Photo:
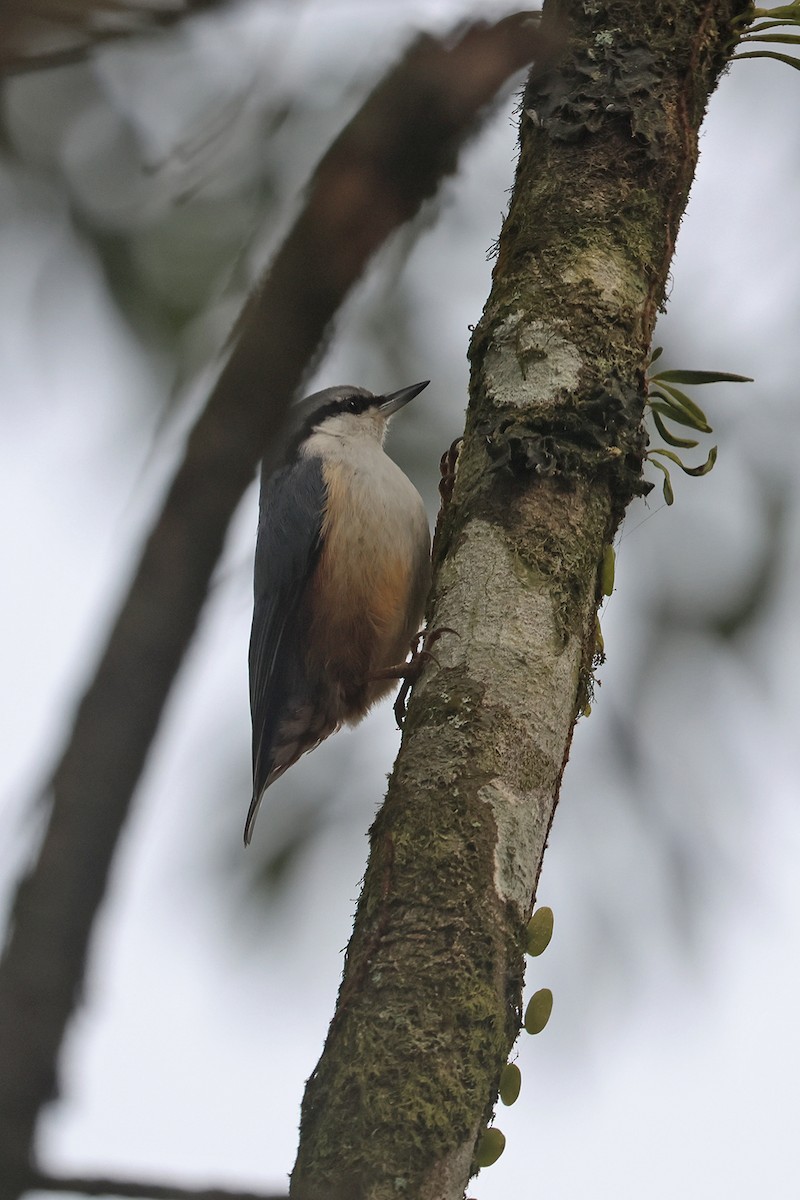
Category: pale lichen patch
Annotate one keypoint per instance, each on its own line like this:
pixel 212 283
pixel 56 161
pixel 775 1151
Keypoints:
pixel 605 275
pixel 447 1173
pixel 521 823
pixel 512 620
pixel 528 363
pixel 512 646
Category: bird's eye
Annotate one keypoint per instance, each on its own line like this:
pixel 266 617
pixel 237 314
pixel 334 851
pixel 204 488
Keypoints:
pixel 353 405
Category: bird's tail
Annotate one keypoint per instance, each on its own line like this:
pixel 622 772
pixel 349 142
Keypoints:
pixel 258 795
pixel 252 813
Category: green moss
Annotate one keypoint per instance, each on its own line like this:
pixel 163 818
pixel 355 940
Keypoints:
pixel 433 1057
pixel 607 153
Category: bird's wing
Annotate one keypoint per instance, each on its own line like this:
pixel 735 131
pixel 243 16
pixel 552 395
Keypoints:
pixel 287 550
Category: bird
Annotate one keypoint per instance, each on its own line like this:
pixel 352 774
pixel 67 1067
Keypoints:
pixel 342 571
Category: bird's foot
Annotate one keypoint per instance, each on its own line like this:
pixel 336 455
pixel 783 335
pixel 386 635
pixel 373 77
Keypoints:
pixel 411 670
pixel 448 465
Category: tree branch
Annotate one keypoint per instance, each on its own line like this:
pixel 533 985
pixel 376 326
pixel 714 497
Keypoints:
pixel 52 33
pixel 390 158
pixel 430 1001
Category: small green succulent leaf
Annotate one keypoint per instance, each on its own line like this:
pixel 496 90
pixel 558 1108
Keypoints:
pixel 701 470
pixel 788 12
pixel 607 567
pixel 706 466
pixel 699 377
pixel 490 1147
pixel 537 1014
pixel 510 1083
pixel 669 495
pixel 683 401
pixel 540 929
pixel 784 58
pixel 786 39
pixel 767 25
pixel 670 454
pixel 664 404
pixel 671 438
pixel 668 403
pixel 659 350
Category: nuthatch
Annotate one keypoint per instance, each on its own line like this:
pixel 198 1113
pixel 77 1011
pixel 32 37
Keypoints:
pixel 341 574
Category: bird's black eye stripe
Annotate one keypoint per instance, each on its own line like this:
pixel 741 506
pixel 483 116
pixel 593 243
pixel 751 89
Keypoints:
pixel 358 404
pixel 351 404
pixel 344 404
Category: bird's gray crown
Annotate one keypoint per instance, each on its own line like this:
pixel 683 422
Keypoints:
pixel 307 414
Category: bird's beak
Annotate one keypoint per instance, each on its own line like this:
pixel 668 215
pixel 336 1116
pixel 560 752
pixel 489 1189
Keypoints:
pixel 390 404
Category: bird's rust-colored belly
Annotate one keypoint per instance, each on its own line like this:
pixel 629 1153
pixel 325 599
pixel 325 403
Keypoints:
pixel 368 589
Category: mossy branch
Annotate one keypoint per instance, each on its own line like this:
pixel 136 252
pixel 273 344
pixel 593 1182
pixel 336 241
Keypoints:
pixel 431 1000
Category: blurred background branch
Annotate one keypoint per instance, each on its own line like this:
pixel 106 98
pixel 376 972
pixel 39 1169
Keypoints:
pixel 45 33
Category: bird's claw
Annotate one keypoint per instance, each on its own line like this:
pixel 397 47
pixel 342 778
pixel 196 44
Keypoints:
pixel 448 465
pixel 420 654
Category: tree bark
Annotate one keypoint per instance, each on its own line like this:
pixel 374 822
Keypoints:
pixel 391 157
pixel 430 1002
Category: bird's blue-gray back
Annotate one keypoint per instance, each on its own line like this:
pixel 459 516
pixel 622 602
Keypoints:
pixel 287 550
